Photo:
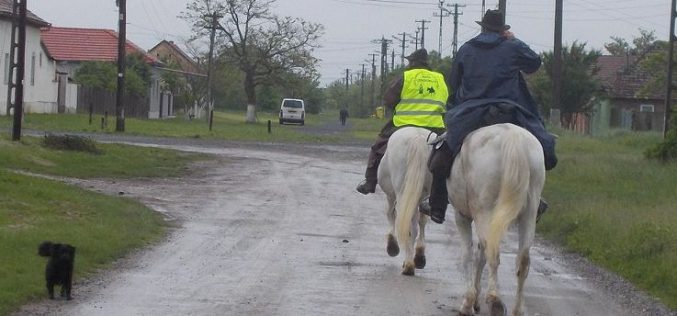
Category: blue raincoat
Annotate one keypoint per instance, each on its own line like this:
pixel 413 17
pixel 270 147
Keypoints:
pixel 486 78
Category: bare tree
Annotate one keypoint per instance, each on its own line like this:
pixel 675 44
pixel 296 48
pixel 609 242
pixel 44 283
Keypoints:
pixel 261 44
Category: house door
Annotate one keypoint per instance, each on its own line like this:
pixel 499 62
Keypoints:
pixel 61 97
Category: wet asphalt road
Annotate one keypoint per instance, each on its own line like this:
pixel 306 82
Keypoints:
pixel 279 230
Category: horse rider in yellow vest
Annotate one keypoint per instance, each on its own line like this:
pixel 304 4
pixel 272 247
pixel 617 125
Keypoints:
pixel 418 98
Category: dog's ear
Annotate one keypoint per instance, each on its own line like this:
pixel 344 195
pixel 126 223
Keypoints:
pixel 45 248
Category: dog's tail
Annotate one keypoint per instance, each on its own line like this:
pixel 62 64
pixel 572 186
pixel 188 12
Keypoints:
pixel 45 249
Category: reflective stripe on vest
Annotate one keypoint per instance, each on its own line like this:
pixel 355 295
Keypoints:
pixel 422 100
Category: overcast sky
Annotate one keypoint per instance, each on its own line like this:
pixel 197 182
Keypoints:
pixel 351 26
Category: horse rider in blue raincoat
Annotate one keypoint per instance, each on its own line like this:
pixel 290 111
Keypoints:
pixel 488 88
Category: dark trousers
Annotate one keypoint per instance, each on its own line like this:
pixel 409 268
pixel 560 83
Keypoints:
pixel 378 149
pixel 440 166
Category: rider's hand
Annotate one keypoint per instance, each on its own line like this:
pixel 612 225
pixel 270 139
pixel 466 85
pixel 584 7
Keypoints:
pixel 508 35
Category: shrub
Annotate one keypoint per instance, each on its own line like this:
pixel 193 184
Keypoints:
pixel 71 142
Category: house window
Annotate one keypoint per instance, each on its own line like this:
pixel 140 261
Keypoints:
pixel 646 108
pixel 33 69
pixel 6 68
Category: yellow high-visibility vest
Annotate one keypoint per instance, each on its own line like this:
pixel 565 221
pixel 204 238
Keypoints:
pixel 423 99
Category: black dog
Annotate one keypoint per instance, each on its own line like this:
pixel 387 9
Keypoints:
pixel 59 270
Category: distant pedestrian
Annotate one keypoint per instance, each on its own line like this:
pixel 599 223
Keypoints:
pixel 343 116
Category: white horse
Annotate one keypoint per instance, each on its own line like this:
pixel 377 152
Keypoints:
pixel 496 180
pixel 404 177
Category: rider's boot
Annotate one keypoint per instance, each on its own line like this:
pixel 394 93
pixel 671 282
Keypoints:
pixel 368 185
pixel 436 204
pixel 440 165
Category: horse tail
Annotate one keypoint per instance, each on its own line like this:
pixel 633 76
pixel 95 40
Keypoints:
pixel 412 190
pixel 514 187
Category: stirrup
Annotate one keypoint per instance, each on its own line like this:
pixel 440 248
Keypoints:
pixel 437 140
pixel 425 208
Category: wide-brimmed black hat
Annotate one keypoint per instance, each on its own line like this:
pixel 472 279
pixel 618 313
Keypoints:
pixel 494 20
pixel 419 55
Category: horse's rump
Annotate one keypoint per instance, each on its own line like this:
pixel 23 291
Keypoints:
pixel 479 167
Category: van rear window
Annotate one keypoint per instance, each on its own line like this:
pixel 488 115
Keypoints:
pixel 293 104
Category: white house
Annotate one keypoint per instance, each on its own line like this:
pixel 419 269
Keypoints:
pixel 40 81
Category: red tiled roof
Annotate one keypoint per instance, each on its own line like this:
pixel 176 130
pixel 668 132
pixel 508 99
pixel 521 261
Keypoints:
pixel 81 44
pixel 6 12
pixel 621 76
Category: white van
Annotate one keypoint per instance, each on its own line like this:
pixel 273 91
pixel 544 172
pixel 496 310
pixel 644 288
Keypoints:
pixel 292 111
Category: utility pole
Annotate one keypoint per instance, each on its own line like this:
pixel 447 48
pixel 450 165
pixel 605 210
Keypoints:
pixel 18 24
pixel 423 28
pixel 392 60
pixel 373 77
pixel 454 42
pixel 501 6
pixel 214 25
pixel 670 84
pixel 362 90
pixel 403 43
pixel 347 74
pixel 13 45
pixel 483 9
pixel 384 66
pixel 557 59
pixel 416 39
pixel 122 41
pixel 443 14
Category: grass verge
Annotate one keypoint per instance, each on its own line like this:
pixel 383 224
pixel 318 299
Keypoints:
pixel 618 209
pixel 226 125
pixel 118 161
pixel 102 228
pixel 32 210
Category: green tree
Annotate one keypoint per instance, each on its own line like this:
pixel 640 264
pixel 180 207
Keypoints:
pixel 103 75
pixel 579 86
pixel 261 44
pixel 641 45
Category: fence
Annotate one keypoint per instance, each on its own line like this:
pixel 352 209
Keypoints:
pixel 100 101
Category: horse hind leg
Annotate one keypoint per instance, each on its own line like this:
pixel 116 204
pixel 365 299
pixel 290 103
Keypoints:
pixel 392 248
pixel 470 305
pixel 526 228
pixel 523 263
pixel 419 258
pixel 408 267
pixel 496 306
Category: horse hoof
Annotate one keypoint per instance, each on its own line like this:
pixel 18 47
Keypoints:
pixel 419 262
pixel 497 308
pixel 408 269
pixel 393 249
